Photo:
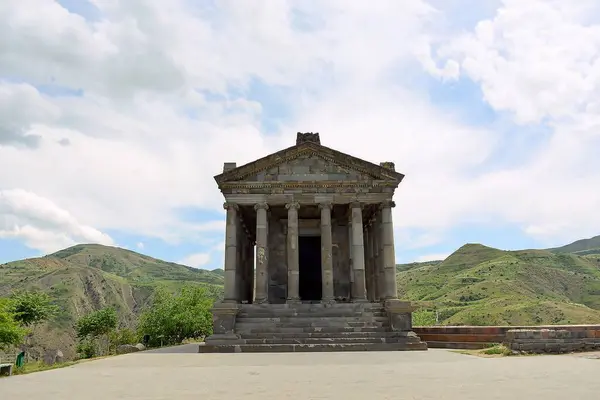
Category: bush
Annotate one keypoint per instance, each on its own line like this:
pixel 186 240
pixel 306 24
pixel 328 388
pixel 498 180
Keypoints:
pixel 173 318
pixel 87 348
pixel 497 349
pixel 122 336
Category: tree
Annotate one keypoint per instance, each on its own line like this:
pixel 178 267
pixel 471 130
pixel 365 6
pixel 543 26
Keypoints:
pixel 97 323
pixel 175 317
pixel 11 333
pixel 31 308
pixel 91 327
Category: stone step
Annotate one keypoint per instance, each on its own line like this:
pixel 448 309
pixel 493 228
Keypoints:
pixel 329 339
pixel 318 347
pixel 315 313
pixel 304 324
pixel 259 328
pixel 301 335
pixel 310 320
pixel 312 307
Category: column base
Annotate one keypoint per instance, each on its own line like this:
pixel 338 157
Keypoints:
pixel 360 300
pixel 293 300
pixel 400 314
pixel 224 315
pixel 328 301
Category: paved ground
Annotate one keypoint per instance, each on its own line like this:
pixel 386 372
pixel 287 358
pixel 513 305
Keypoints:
pixel 436 374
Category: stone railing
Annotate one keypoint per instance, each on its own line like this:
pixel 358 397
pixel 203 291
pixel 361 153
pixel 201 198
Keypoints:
pixel 478 337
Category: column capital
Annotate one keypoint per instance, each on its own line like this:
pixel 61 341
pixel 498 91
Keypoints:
pixel 325 206
pixel 229 205
pixel 261 206
pixel 387 204
pixel 356 204
pixel 293 205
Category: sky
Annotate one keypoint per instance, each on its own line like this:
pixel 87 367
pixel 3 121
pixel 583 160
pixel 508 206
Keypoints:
pixel 116 114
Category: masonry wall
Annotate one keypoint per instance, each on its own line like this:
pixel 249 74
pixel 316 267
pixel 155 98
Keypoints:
pixel 477 337
pixel 277 264
pixel 341 260
pixel 277 256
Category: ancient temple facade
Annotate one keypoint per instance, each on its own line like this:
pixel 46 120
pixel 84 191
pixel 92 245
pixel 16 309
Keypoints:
pixel 309 232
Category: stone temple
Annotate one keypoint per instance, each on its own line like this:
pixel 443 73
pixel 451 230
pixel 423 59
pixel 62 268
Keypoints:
pixel 309 255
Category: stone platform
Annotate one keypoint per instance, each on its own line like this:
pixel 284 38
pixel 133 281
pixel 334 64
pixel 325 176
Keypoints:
pixel 311 328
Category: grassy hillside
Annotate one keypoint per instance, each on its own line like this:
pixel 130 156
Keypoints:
pixel 84 278
pixel 581 247
pixel 479 285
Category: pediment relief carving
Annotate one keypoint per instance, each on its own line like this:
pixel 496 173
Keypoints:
pixel 309 162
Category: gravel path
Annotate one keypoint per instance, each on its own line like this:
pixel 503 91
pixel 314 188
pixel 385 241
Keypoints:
pixel 177 373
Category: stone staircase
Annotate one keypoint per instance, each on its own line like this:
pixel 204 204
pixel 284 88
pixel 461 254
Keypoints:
pixel 313 327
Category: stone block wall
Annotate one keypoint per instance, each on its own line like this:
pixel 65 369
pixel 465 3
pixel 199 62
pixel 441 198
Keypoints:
pixel 552 340
pixel 478 337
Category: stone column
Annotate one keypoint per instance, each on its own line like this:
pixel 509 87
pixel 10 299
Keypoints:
pixel 293 253
pixel 250 271
pixel 231 238
pixel 376 257
pixel 389 255
pixel 380 267
pixel 367 269
pixel 350 263
pixel 262 253
pixel 358 254
pixel 326 254
pixel 371 261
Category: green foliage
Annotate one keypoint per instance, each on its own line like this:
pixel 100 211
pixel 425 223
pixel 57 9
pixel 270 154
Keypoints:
pixel 87 348
pixel 31 308
pixel 497 349
pixel 97 323
pixel 123 336
pixel 175 317
pixel 11 333
pixel 423 318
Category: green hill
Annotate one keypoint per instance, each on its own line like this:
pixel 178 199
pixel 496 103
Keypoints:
pixel 476 285
pixel 581 247
pixel 88 277
pixel 479 285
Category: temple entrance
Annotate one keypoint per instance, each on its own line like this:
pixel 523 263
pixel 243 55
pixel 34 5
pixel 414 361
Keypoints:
pixel 310 268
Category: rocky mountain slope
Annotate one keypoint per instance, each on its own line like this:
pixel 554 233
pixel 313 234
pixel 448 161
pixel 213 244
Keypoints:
pixel 84 278
pixel 479 285
pixel 581 247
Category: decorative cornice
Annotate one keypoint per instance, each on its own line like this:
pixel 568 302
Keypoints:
pixel 311 184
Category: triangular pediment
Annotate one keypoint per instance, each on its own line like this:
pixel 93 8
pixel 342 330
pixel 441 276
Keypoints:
pixel 309 162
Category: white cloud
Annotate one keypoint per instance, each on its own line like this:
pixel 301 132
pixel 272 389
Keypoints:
pixel 41 224
pixel 540 61
pixel 140 245
pixel 166 101
pixel 196 260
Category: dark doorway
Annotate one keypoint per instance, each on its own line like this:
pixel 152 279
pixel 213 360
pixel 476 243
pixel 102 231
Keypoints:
pixel 310 268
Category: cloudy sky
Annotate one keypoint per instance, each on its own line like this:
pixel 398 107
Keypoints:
pixel 116 114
